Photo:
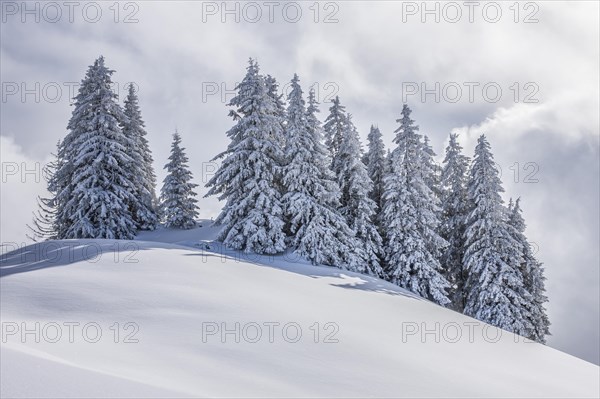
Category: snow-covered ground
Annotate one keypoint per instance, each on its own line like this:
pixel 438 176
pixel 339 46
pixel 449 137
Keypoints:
pixel 180 320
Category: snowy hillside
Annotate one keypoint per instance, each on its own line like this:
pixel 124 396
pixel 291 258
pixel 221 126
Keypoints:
pixel 178 298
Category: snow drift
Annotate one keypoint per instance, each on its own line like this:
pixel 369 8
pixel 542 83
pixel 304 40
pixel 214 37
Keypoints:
pixel 174 315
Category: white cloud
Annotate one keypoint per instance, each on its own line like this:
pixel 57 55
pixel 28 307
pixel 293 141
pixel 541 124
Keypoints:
pixel 22 180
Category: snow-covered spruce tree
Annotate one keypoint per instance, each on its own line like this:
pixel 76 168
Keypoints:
pixel 454 213
pixel 387 171
pixel 495 291
pixel 177 197
pixel 376 165
pixel 533 277
pixel 279 108
pixel 318 232
pixel 334 127
pixel 248 178
pixel 355 204
pixel 60 187
pixel 143 208
pixel 410 220
pixel 431 174
pixel 94 183
pixel 60 179
pixel 432 171
pixel 44 224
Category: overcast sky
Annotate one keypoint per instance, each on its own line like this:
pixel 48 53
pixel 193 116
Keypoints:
pixel 525 76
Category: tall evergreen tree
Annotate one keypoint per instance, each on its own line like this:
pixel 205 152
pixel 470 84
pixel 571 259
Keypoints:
pixel 335 126
pixel 533 277
pixel 495 289
pixel 432 171
pixel 248 178
pixel 279 104
pixel 143 208
pixel 44 225
pixel 318 232
pixel 410 218
pixel 376 165
pixel 94 183
pixel 177 197
pixel 273 92
pixel 388 170
pixel 380 219
pixel 356 205
pixel 454 213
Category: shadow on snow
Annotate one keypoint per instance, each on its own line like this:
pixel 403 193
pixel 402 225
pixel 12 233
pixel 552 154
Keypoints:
pixel 21 259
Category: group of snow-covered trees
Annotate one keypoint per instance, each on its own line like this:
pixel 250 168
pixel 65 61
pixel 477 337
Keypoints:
pixel 291 182
pixel 443 232
pixel 102 182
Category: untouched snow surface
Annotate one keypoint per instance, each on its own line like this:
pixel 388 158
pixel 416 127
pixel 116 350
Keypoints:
pixel 184 302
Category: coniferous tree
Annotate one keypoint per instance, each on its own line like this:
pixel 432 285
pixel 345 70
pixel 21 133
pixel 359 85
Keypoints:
pixel 177 197
pixel 143 208
pixel 318 232
pixel 533 277
pixel 59 185
pixel 93 183
pixel 376 165
pixel 410 218
pixel 273 92
pixel 454 213
pixel 279 105
pixel 355 204
pixel 248 178
pixel 495 291
pixel 388 170
pixel 431 174
pixel 335 126
pixel 432 171
pixel 380 219
pixel 44 223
